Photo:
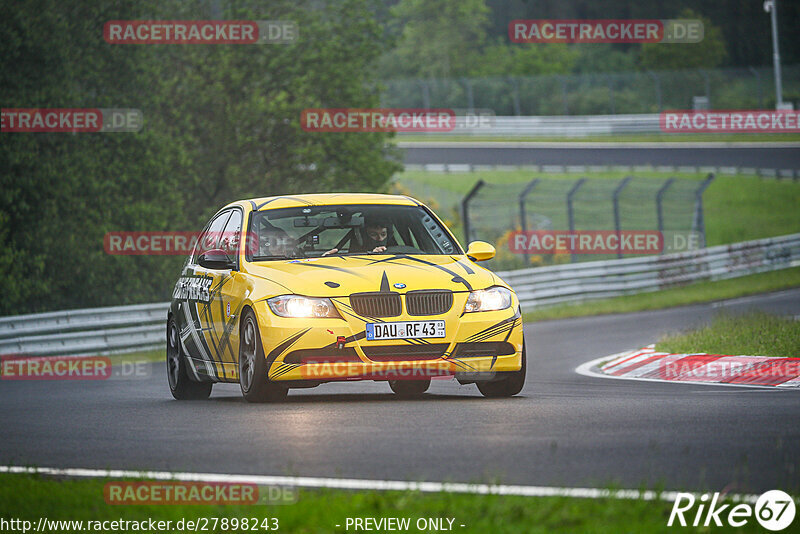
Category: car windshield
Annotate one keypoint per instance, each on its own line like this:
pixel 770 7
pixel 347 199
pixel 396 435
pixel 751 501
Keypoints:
pixel 316 231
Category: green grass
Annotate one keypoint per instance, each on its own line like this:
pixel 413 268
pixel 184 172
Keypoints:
pixel 753 334
pixel 740 209
pixel 692 294
pixel 620 138
pixel 31 497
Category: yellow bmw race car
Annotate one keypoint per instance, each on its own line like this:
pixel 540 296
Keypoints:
pixel 295 291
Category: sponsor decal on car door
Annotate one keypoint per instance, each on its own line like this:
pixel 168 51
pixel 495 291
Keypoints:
pixel 196 290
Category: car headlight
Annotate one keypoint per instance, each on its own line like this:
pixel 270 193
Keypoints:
pixel 299 306
pixel 492 299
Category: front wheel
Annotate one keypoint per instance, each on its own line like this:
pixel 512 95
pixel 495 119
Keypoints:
pixel 180 385
pixel 510 383
pixel 255 385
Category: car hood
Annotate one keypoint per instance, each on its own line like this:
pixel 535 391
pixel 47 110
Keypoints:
pixel 338 276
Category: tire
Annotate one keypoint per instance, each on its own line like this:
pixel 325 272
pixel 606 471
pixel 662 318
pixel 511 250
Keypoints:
pixel 255 385
pixel 509 384
pixel 409 389
pixel 180 385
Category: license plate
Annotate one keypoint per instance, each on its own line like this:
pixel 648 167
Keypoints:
pixel 404 330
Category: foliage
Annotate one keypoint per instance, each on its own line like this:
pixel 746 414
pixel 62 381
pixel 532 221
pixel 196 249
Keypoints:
pixel 708 53
pixel 221 123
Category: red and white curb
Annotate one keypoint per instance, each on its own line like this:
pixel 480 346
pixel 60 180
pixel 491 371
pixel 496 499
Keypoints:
pixel 701 368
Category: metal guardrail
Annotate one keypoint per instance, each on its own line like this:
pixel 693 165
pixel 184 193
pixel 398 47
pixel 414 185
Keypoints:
pixel 560 126
pixel 578 282
pixel 89 331
pixel 142 327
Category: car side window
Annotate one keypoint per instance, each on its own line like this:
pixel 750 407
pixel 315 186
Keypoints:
pixel 229 240
pixel 210 238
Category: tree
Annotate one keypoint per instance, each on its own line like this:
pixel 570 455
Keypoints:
pixel 221 123
pixel 439 39
pixel 524 59
pixel 708 53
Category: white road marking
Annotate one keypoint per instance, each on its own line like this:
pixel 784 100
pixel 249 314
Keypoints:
pixel 367 484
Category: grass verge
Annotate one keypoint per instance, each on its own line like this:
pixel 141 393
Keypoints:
pixel 667 298
pixel 31 497
pixel 753 334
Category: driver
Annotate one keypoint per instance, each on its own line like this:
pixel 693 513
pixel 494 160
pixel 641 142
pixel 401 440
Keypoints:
pixel 376 239
pixel 279 244
pixel 274 241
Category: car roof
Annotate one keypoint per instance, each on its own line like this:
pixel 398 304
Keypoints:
pixel 325 199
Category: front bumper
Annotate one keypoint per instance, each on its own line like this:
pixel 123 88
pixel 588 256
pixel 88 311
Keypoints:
pixel 312 349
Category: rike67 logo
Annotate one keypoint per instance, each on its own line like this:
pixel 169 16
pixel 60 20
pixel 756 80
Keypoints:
pixel 774 510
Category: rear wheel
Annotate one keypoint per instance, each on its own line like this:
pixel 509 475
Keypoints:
pixel 180 385
pixel 508 384
pixel 410 388
pixel 255 385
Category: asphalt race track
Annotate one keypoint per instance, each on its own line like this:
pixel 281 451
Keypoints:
pixel 778 156
pixel 564 429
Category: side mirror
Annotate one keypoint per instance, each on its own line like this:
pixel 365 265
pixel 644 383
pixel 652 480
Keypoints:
pixel 216 259
pixel 480 251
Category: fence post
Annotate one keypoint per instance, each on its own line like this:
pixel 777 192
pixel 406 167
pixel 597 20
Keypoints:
pixel 515 96
pixel 617 224
pixel 523 217
pixel 707 79
pixel 570 214
pixel 426 94
pixel 564 94
pixel 659 204
pixel 611 94
pixel 658 88
pixel 699 224
pixel 470 97
pixel 758 86
pixel 465 208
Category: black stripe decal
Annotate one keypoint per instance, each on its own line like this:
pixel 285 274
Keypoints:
pixel 464 266
pixel 385 284
pixel 332 268
pixel 277 351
